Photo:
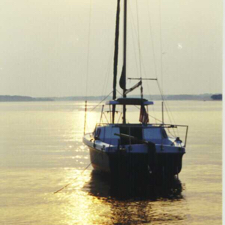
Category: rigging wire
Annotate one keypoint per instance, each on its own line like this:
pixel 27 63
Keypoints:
pixel 166 106
pixel 139 44
pixel 105 117
pixel 88 58
pixel 161 64
pixel 101 101
pixel 151 34
pixel 120 116
pixel 140 57
pixel 152 46
pixel 106 78
pixel 107 74
pixel 119 93
pixel 161 58
pixel 88 46
pixel 87 72
pixel 161 45
pixel 150 115
pixel 134 33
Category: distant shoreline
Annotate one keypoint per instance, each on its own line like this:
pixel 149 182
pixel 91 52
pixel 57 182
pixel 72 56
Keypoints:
pixel 18 98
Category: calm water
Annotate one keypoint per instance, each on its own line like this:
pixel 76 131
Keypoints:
pixel 41 151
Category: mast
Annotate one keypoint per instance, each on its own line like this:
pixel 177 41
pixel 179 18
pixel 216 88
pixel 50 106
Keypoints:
pixel 116 58
pixel 124 57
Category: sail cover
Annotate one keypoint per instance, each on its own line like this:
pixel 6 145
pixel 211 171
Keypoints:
pixel 116 51
pixel 134 87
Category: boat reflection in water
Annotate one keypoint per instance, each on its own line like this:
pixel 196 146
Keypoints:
pixel 103 185
pixel 130 202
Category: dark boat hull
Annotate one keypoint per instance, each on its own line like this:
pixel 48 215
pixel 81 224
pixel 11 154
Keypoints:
pixel 123 163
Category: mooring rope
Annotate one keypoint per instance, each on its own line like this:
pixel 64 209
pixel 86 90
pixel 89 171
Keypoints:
pixel 71 182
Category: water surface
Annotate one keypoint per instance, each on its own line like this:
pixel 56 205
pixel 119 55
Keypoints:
pixel 41 151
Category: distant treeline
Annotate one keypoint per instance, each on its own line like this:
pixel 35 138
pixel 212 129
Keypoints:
pixel 202 97
pixel 16 98
pixel 217 97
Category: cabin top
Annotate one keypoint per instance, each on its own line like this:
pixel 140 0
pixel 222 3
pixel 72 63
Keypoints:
pixel 130 101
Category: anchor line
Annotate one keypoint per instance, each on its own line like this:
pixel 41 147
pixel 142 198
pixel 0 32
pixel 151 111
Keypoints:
pixel 71 182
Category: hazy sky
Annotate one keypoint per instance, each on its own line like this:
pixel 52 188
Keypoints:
pixel 44 46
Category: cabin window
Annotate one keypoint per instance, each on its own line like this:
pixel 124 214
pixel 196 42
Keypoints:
pixel 107 134
pixel 164 134
pixel 153 133
pixel 132 131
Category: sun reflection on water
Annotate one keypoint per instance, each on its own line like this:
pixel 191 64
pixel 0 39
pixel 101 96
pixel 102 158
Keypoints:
pixel 80 207
pixel 89 199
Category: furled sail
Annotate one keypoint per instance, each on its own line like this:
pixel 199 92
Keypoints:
pixel 122 80
pixel 116 51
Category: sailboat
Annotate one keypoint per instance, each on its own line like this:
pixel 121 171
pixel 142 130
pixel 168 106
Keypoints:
pixel 128 148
